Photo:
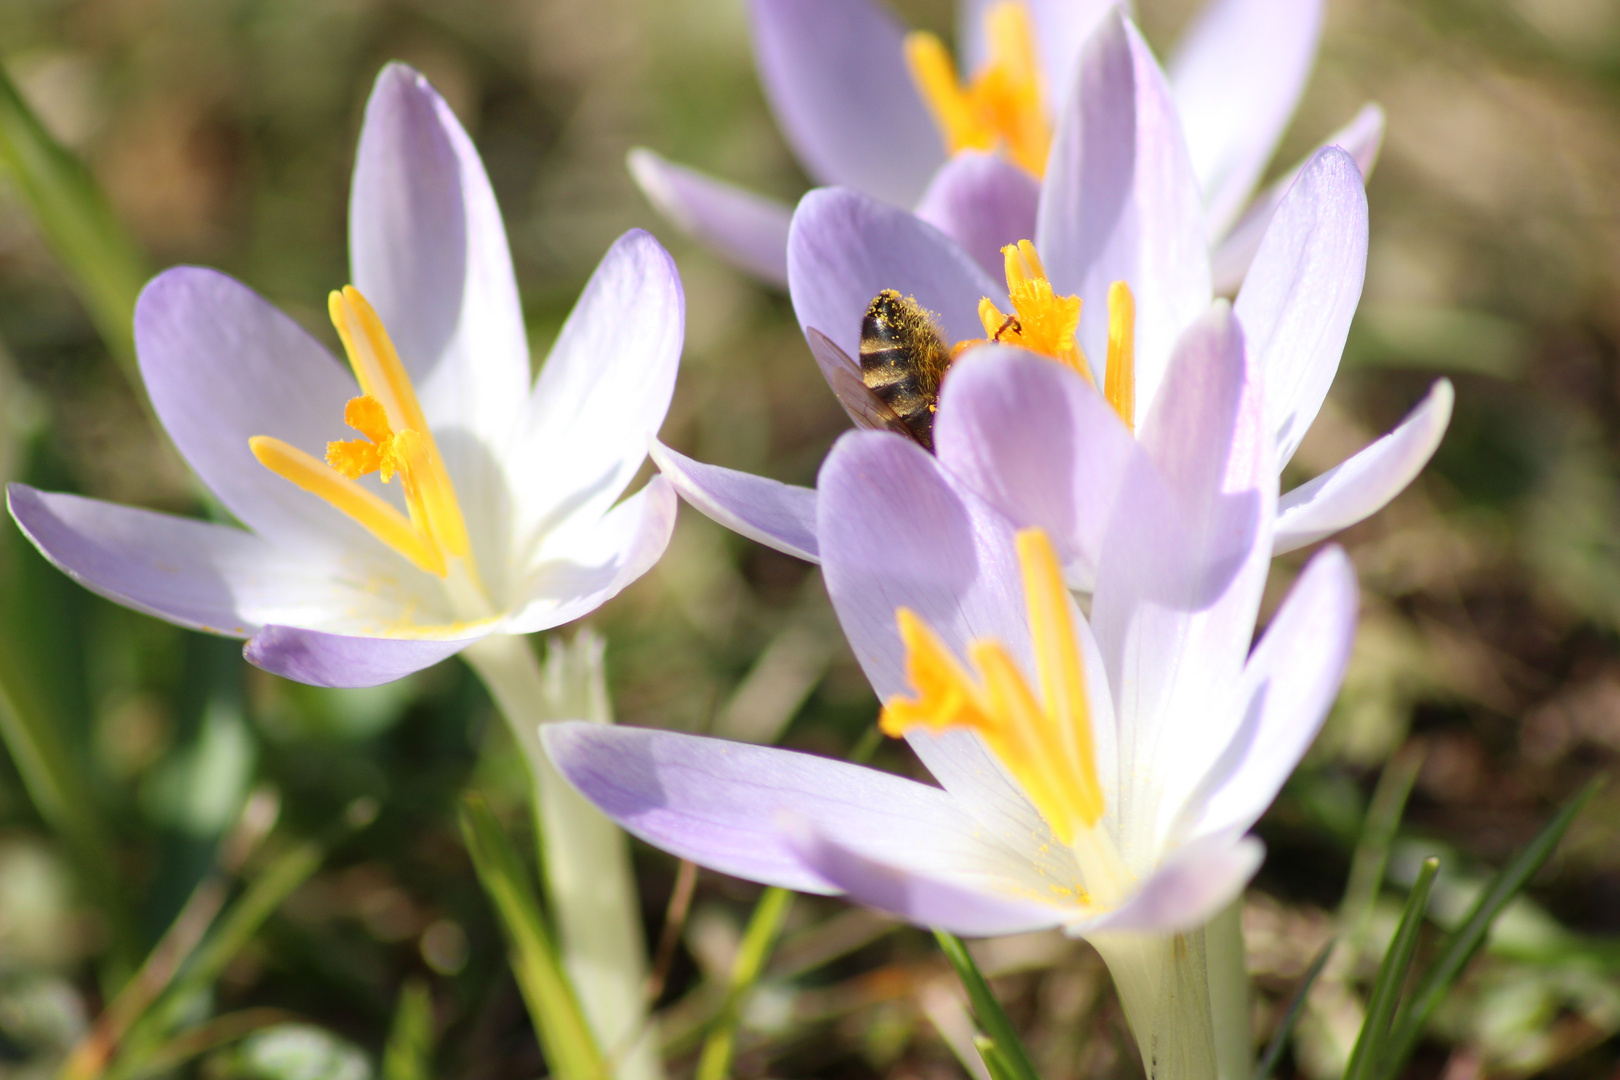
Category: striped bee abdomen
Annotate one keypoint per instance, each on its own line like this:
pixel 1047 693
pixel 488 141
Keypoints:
pixel 903 359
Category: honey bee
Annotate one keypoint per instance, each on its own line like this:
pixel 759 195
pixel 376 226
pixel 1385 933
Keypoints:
pixel 895 387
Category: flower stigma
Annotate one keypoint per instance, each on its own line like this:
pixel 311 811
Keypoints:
pixel 1043 735
pixel 1044 322
pixel 1004 104
pixel 397 442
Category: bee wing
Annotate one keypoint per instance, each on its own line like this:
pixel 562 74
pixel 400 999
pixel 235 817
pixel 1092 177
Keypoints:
pixel 844 376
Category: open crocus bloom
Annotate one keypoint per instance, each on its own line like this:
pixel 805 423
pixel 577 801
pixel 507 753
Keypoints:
pixel 867 106
pixel 1097 775
pixel 500 515
pixel 1119 220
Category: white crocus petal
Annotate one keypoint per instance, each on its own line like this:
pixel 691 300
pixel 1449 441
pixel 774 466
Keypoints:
pixel 1302 292
pixel 427 248
pixel 602 394
pixel 1186 890
pixel 1229 262
pixel 1120 203
pixel 748 229
pixel 1287 687
pixel 1237 75
pixel 778 515
pixel 1359 487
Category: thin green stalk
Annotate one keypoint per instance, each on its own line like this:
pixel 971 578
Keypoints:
pixel 1377 837
pixel 987 1009
pixel 78 223
pixel 565 1035
pixel 409 1053
pixel 590 887
pixel 1461 944
pixel 763 926
pixel 1367 1057
pixel 1296 1008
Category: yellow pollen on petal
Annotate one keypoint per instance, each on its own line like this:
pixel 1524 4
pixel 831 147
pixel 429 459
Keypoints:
pixel 1119 383
pixel 1041 320
pixel 1043 736
pixel 1003 105
pixel 397 442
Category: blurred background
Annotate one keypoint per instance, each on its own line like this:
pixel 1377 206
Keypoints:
pixel 1486 674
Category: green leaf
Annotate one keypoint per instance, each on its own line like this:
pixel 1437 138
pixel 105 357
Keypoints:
pixel 994 1059
pixel 565 1036
pixel 1367 1057
pixel 758 940
pixel 409 1053
pixel 986 1008
pixel 1461 944
pixel 1377 835
pixel 1296 1007
pixel 78 223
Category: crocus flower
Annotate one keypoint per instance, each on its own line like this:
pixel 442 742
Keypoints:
pixel 865 105
pixel 1096 775
pixel 1117 270
pixel 502 511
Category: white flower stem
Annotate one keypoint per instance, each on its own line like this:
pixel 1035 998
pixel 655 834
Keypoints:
pixel 590 888
pixel 1229 997
pixel 1164 985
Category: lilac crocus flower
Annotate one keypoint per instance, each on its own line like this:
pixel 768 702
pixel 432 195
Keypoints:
pixel 509 520
pixel 1120 205
pixel 866 106
pixel 1096 775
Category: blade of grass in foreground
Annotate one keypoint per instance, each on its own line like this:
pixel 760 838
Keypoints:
pixel 409 1053
pixel 1296 1006
pixel 987 1010
pixel 1367 1057
pixel 78 223
pixel 1461 944
pixel 566 1038
pixel 758 940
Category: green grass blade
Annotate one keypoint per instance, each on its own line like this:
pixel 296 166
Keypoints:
pixel 409 1053
pixel 1296 1007
pixel 565 1036
pixel 78 223
pixel 1368 1054
pixel 1461 944
pixel 1378 830
pixel 758 940
pixel 986 1009
pixel 994 1059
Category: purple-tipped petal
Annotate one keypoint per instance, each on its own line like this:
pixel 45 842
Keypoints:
pixel 1302 292
pixel 1179 586
pixel 749 230
pixel 221 365
pixel 1038 443
pixel 1120 203
pixel 1361 139
pixel 896 531
pixel 578 570
pixel 845 248
pixel 336 660
pixel 428 249
pixel 1288 686
pixel 983 202
pixel 1237 76
pixel 778 515
pixel 743 809
pixel 1360 486
pixel 1187 890
pixel 604 390
pixel 836 77
pixel 216 578
pixel 1061 30
pixel 981 909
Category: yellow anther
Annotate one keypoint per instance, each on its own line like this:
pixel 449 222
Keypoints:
pixel 1119 383
pixel 1045 741
pixel 1004 105
pixel 397 442
pixel 1042 321
pixel 367 509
